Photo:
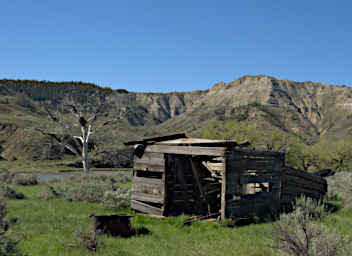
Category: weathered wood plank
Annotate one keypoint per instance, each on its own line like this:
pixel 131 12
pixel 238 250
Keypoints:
pixel 217 191
pixel 148 197
pixel 247 208
pixel 302 186
pixel 218 160
pixel 187 150
pixel 148 167
pixel 301 190
pixel 156 139
pixel 143 207
pixel 143 180
pixel 299 181
pixel 190 191
pixel 183 200
pixel 305 175
pixel 261 153
pixel 151 158
pixel 215 166
pixel 184 186
pixel 196 170
pixel 147 188
pixel 248 179
pixel 223 189
pixel 164 191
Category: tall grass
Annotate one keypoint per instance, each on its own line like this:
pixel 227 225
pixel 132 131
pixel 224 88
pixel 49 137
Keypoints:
pixel 48 227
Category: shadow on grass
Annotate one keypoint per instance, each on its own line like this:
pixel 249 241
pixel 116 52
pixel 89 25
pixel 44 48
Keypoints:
pixel 140 231
pixel 332 207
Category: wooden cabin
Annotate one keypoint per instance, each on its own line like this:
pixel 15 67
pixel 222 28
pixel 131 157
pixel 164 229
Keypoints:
pixel 174 175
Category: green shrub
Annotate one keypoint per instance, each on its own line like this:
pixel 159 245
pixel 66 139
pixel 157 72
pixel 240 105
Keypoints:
pixel 48 193
pixel 337 184
pixel 310 208
pixel 91 188
pixel 8 243
pixel 6 177
pixel 9 192
pixel 2 213
pixel 340 186
pixel 25 179
pixel 117 199
pixel 87 239
pixel 297 234
pixel 91 191
pixel 114 178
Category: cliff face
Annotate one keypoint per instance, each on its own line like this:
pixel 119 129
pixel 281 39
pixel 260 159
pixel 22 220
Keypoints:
pixel 310 110
pixel 317 103
pixel 306 108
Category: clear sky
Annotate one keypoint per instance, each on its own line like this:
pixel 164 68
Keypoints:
pixel 161 45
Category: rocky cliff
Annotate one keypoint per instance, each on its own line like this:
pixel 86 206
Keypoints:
pixel 310 110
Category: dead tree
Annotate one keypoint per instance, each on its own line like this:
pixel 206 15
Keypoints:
pixel 76 122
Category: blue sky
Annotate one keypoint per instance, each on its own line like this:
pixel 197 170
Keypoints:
pixel 162 46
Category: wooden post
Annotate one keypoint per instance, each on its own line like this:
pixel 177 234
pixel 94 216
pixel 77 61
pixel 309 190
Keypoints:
pixel 164 188
pixel 195 170
pixel 223 189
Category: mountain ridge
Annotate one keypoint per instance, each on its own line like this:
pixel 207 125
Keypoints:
pixel 312 111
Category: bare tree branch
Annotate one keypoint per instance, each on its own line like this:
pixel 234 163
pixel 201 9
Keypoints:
pixel 85 116
pixel 59 141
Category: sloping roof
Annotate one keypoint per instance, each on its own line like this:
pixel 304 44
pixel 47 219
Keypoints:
pixel 152 140
pixel 202 142
pixel 180 139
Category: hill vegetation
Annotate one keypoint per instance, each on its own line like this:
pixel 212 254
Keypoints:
pixel 306 115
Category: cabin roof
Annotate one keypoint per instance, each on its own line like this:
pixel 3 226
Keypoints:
pixel 202 142
pixel 180 139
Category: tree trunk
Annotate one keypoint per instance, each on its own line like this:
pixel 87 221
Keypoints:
pixel 85 158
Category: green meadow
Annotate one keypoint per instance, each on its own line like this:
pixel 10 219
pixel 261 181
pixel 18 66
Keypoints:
pixel 49 227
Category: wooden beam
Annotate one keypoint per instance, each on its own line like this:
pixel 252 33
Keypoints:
pixel 261 153
pixel 159 199
pixel 223 191
pixel 148 167
pixel 164 195
pixel 152 140
pixel 143 207
pixel 196 171
pixel 187 150
pixel 144 180
pixel 150 161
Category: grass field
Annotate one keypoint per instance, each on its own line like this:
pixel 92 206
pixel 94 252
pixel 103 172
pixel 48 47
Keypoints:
pixel 47 227
pixel 52 166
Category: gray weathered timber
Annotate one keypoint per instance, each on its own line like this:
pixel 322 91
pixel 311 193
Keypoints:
pixel 187 150
pixel 196 176
pixel 156 139
pixel 144 207
pixel 144 197
pixel 151 159
pixel 149 167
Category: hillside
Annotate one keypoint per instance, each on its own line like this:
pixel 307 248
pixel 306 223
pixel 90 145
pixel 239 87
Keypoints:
pixel 312 111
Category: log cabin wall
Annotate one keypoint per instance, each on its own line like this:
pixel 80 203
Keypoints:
pixel 148 183
pixel 253 183
pixel 172 184
pixel 296 183
pixel 195 179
